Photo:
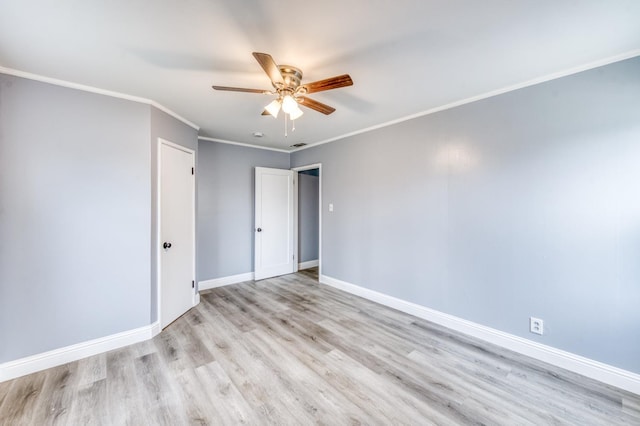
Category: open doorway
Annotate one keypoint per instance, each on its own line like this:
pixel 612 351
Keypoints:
pixel 308 220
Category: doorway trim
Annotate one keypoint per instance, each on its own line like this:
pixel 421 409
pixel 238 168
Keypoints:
pixel 195 299
pixel 295 213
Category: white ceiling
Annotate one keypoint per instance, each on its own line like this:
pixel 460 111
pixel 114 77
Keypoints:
pixel 405 56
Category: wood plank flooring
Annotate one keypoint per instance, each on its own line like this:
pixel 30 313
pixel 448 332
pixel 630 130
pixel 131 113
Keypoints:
pixel 289 351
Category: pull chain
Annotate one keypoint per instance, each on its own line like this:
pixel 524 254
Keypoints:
pixel 293 126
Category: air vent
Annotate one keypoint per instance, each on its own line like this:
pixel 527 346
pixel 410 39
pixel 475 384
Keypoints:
pixel 298 145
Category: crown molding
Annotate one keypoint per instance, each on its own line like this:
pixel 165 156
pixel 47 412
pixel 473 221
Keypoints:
pixel 97 90
pixel 247 145
pixel 528 83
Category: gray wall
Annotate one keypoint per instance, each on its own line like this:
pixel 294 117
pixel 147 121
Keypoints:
pixel 226 206
pixel 308 220
pixel 522 204
pixel 75 216
pixel 168 128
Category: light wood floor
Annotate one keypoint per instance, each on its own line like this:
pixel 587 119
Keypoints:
pixel 290 351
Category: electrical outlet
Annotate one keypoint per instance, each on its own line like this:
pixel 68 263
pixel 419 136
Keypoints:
pixel 536 325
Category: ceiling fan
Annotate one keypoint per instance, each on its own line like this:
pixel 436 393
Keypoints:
pixel 286 81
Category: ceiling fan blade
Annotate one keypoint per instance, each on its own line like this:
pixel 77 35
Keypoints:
pixel 329 83
pixel 241 89
pixel 269 66
pixel 265 112
pixel 318 106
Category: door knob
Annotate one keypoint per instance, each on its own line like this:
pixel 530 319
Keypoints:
pixel 166 245
pixel 259 229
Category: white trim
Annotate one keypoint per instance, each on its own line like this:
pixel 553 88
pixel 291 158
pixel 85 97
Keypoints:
pixel 300 169
pixel 31 364
pixel 195 297
pixel 308 264
pixel 548 77
pixel 587 367
pixel 158 233
pixel 543 79
pixel 307 167
pixel 247 145
pixel 296 221
pixel 221 282
pixel 85 88
pixel 174 115
pixel 155 328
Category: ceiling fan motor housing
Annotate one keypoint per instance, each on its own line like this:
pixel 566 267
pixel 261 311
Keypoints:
pixel 292 77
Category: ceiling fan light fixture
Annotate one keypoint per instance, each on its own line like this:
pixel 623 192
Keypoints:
pixel 289 104
pixel 273 108
pixel 296 113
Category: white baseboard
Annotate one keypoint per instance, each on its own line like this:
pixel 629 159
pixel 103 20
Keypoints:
pixel 308 264
pixel 156 329
pixel 220 282
pixel 587 367
pixel 31 364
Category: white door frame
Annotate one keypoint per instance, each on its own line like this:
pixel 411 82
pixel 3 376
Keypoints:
pixel 295 213
pixel 196 296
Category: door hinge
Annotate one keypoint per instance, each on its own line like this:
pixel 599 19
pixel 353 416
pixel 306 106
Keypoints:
pixel 193 284
pixel 193 170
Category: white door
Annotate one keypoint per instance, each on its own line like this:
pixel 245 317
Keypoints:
pixel 274 253
pixel 176 224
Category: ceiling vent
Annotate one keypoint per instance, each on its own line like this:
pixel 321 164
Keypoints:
pixel 298 145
